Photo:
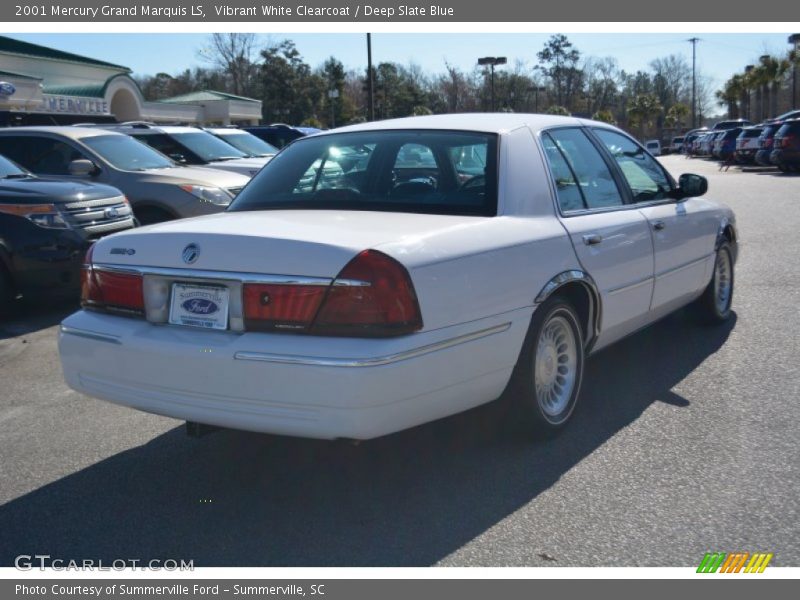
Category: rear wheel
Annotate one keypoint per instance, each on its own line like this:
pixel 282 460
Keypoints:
pixel 714 306
pixel 547 378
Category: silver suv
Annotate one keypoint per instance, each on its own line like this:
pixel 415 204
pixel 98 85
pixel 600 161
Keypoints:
pixel 158 188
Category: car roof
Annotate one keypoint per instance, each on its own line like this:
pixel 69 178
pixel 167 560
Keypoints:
pixel 161 128
pixel 226 130
pixel 479 122
pixel 74 133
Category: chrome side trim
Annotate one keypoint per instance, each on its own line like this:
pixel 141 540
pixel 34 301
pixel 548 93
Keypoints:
pixel 92 335
pixel 321 361
pixel 630 286
pixel 219 275
pixel 683 266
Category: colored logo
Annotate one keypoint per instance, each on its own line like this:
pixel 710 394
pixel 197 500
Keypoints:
pixel 200 306
pixel 734 562
pixel 7 89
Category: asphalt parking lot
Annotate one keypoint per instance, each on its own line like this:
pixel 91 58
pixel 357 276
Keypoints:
pixel 686 441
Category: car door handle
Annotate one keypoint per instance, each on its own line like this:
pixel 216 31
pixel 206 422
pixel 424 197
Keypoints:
pixel 659 225
pixel 592 239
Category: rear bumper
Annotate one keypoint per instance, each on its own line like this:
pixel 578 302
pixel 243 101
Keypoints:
pixel 289 384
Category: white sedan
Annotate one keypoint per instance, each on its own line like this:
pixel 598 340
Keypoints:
pixel 384 275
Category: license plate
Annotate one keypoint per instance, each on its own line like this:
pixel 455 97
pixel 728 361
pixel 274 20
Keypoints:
pixel 199 306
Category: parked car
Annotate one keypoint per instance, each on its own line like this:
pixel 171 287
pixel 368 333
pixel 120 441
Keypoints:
pixel 157 187
pixel 336 308
pixel 765 143
pixel 747 144
pixel 653 147
pixel 786 146
pixel 676 146
pixel 280 134
pixel 731 124
pixel 193 146
pixel 792 114
pixel 725 144
pixel 707 144
pixel 252 146
pixel 46 226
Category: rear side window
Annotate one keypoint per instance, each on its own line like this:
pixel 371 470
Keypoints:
pixel 422 171
pixel 582 178
pixel 42 155
pixel 647 180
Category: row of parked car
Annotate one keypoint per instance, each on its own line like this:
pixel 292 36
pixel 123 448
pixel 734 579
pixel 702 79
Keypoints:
pixel 64 187
pixel 775 142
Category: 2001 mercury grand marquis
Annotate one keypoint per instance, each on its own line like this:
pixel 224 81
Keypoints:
pixel 383 275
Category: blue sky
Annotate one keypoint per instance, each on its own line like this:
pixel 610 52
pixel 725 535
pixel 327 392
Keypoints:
pixel 719 55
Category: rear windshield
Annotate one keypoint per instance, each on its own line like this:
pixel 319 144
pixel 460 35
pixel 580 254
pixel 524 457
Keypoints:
pixel 434 172
pixel 787 128
pixel 750 133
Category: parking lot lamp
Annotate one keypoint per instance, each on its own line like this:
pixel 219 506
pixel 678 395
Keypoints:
pixel 492 61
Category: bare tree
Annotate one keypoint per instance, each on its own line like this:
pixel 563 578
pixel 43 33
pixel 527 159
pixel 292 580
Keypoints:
pixel 235 54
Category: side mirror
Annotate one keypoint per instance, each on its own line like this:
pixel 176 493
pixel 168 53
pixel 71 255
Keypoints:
pixel 691 185
pixel 177 157
pixel 82 168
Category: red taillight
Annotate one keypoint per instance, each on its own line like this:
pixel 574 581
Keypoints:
pixel 372 296
pixel 274 306
pixel 110 290
pixel 787 141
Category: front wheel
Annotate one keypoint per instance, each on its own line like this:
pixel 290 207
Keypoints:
pixel 714 306
pixel 547 379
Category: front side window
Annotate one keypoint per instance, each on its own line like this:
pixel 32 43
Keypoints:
pixel 436 172
pixel 582 178
pixel 644 175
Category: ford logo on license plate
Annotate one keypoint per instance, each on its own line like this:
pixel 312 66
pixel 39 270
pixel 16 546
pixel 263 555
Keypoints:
pixel 200 306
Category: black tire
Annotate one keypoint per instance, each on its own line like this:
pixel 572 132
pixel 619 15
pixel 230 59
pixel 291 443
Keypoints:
pixel 149 215
pixel 6 292
pixel 538 378
pixel 712 307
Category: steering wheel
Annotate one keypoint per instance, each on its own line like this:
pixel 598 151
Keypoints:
pixel 474 182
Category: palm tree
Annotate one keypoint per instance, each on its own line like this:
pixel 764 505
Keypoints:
pixel 773 70
pixel 643 108
pixel 730 94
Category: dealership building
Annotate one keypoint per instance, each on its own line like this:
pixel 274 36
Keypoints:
pixel 41 85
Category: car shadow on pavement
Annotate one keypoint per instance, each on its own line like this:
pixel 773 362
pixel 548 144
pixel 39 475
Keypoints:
pixel 29 317
pixel 242 499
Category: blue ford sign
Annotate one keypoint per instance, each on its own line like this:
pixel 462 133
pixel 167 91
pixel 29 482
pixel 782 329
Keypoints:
pixel 200 306
pixel 7 89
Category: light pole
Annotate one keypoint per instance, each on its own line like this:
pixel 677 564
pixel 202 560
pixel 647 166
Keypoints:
pixel 492 61
pixel 332 95
pixel 694 41
pixel 370 82
pixel 535 89
pixel 795 39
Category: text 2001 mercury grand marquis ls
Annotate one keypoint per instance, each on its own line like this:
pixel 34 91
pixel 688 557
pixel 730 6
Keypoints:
pixel 387 274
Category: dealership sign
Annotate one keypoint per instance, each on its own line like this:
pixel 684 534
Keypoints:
pixel 75 105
